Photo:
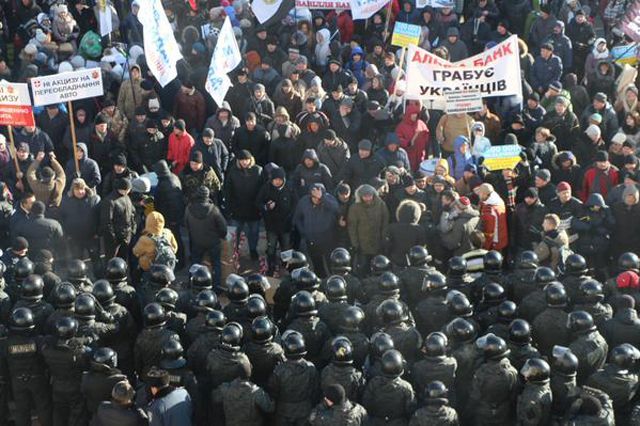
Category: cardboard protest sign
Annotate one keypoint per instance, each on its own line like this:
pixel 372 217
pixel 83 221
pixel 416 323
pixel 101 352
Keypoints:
pixel 68 86
pixel 458 102
pixel 15 105
pixel 405 34
pixel 502 157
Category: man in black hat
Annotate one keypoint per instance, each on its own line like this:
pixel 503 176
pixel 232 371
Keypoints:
pixel 117 220
pixel 333 152
pixel 546 69
pixel 170 406
pixel 335 408
pixel 336 75
pixel 118 170
pixel 602 106
pixel 103 144
pixel 197 174
pixel 149 149
pixel 42 233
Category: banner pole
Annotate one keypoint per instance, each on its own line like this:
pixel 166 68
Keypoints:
pixel 72 126
pixel 12 148
pixel 386 24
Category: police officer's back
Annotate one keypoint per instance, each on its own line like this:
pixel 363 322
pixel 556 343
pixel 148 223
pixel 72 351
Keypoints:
pixel 436 410
pixel 341 370
pixel 120 411
pixel 148 346
pixel 337 409
pixel 534 403
pixel 332 313
pixel 435 366
pixel 587 344
pixel 306 321
pixel 263 353
pixel 520 343
pixel 98 382
pixel 547 327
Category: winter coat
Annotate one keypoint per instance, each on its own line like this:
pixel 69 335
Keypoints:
pixel 168 194
pixel 457 51
pixel 543 152
pixel 171 407
pixel 145 248
pixel 205 224
pixel 396 158
pixel 450 127
pixel 603 82
pixel 348 128
pixel 148 151
pixel 191 108
pixel 358 68
pixel 279 218
pixel 192 180
pixel 223 131
pixel 545 72
pixel 626 233
pixel 256 142
pixel 334 157
pixel 568 212
pixel 38 141
pixel 528 224
pixel 597 181
pixel 179 150
pixel 304 177
pixel 458 161
pixel 117 218
pixel 548 250
pixel 565 128
pixel 42 233
pixel 493 218
pixel 367 223
pixel 322 51
pixel 79 216
pixel 130 97
pixel 571 175
pixel 359 171
pixel 215 156
pixel 317 223
pixel 406 131
pixel 562 47
pixel 89 170
pixel 111 413
pixel 50 193
pixel 405 233
pixel 240 190
pixel 458 238
pixel 263 108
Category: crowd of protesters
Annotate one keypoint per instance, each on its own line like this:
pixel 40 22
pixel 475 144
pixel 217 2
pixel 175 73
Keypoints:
pixel 416 285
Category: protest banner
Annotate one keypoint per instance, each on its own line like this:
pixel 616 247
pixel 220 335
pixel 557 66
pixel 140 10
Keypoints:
pixel 467 101
pixel 67 86
pixel 160 46
pixel 270 11
pixel 225 58
pixel 364 9
pixel 420 4
pixel 405 34
pixel 625 54
pixel 104 17
pixel 502 157
pixel 324 4
pixel 494 72
pixel 15 105
pixel 630 23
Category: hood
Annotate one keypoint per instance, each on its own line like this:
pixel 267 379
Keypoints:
pixel 323 36
pixel 410 4
pixel 494 200
pixel 154 223
pixel 310 154
pixel 408 212
pixel 610 69
pixel 630 190
pixel 570 81
pixel 161 168
pixel 411 109
pixel 595 200
pixel 560 24
pixel 442 162
pixel 458 142
pixel 563 156
pixel 357 51
pixel 225 107
pixel 364 189
pixel 478 125
pixel 372 70
pixel 83 147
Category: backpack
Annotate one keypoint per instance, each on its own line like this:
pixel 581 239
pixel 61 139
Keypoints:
pixel 164 252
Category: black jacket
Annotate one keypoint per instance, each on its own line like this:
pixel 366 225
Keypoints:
pixel 117 217
pixel 205 224
pixel 168 195
pixel 240 190
pixel 279 218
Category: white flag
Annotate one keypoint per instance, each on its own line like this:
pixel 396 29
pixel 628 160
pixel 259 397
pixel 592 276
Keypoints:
pixel 104 15
pixel 265 9
pixel 364 9
pixel 226 56
pixel 160 46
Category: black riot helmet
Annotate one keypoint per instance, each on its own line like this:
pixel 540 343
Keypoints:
pixel 392 363
pixel 262 330
pixel 457 266
pixel 564 361
pixel 527 260
pixel 380 264
pixel 116 270
pixel 293 344
pixel 544 276
pixel 64 295
pixel 172 354
pixel 623 356
pixel 380 343
pixel 21 320
pixel 24 267
pixel 436 393
pixel 303 304
pixel 340 261
pixel 536 370
pixel 205 301
pixel 575 265
pixel 590 291
pixel 493 294
pixel 435 345
pixel 105 357
pixel 238 292
pixel 258 284
pixel 460 330
pixel 66 328
pixel 507 312
pixel 85 307
pixel 555 295
pixel 104 293
pixel 492 262
pixel 231 336
pixel 519 332
pixel 306 279
pixel 341 351
pixel 32 288
pixel 215 320
pixel 154 316
pixel 629 261
pixel 77 270
pixel 256 306
pixel 391 312
pixel 492 346
pixel 458 304
pixel 168 298
pixel 200 279
pixel 161 275
pixel 434 281
pixel 389 284
pixel 352 319
pixel 336 288
pixel 580 322
pixel 296 260
pixel 418 256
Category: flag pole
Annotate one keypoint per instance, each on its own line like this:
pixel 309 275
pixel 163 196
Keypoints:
pixel 72 126
pixel 12 148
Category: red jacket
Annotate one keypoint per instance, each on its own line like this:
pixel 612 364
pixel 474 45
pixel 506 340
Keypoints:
pixel 493 216
pixel 179 150
pixel 405 132
pixel 607 180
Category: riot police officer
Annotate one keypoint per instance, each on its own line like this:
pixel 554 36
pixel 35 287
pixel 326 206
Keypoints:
pixel 225 362
pixel 333 311
pixel 590 299
pixel 534 403
pixel 63 298
pixel 406 338
pixel 200 279
pixel 263 353
pixel 492 274
pixel 77 276
pixel 341 371
pixel 462 335
pixel 340 264
pixel 380 343
pixel 535 302
pixel 457 277
pixel 307 322
pixel 168 298
pixel 412 277
pixel 576 272
pixel 282 297
pixel 505 313
pixel 519 343
pixel 435 366
pixel 180 375
pixel 336 409
pixel 493 294
pixel 436 410
pixel 116 274
pixel 236 310
pixel 32 297
pixel 98 382
pixel 159 277
pixel 379 265
pixel 350 328
pixel 564 368
pixel 205 302
pixel 521 281
pixel 547 327
pixel 431 310
pixel 148 347
pixel 586 343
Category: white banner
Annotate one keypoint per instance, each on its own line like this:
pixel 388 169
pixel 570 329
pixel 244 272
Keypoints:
pixel 364 9
pixel 104 16
pixel 265 9
pixel 324 4
pixel 434 3
pixel 14 93
pixel 160 46
pixel 494 72
pixel 67 86
pixel 226 57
